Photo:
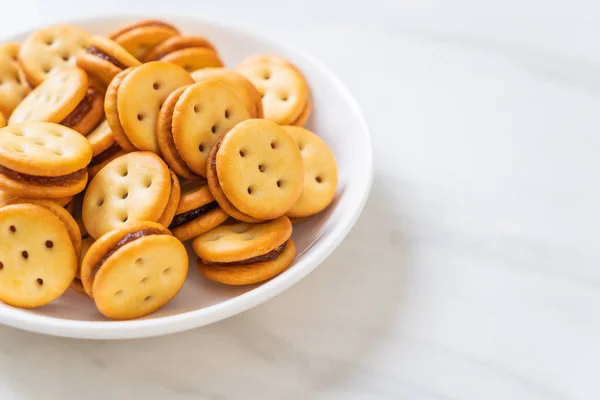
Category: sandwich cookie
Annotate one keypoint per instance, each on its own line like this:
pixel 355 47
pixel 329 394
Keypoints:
pixel 258 168
pixel 6 197
pixel 134 187
pixel 134 270
pixel 104 148
pixel 63 98
pixel 140 96
pixel 167 216
pixel 14 85
pixel 189 52
pixel 43 160
pixel 112 113
pixel 243 254
pixel 203 112
pixel 197 212
pixel 104 59
pixel 37 258
pixel 51 48
pixel 285 92
pixel 103 159
pixel 141 37
pixel 320 173
pixel 242 86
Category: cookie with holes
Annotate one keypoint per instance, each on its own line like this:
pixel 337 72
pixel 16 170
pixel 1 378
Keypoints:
pixel 63 98
pixel 43 160
pixel 285 91
pixel 37 259
pixel 203 112
pixel 13 83
pixel 242 254
pixel 140 96
pixel 320 173
pixel 258 168
pixel 134 187
pixel 243 87
pixel 104 59
pixel 189 52
pixel 141 37
pixel 197 212
pixel 134 270
pixel 51 48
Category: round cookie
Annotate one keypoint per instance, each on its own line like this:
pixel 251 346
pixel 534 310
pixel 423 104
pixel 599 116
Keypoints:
pixel 320 173
pixel 14 85
pixel 134 270
pixel 141 37
pixel 178 43
pixel 204 112
pixel 43 160
pixel 215 188
pixel 247 274
pixel 169 213
pixel 164 136
pixel 194 58
pixel 133 187
pixel 140 96
pixel 51 48
pixel 243 87
pixel 284 89
pixel 112 113
pixel 101 138
pixel 37 258
pixel 197 212
pixel 259 168
pixel 104 59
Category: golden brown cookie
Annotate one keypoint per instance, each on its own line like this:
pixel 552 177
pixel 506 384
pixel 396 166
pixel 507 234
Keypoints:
pixel 169 213
pixel 51 48
pixel 62 98
pixel 139 97
pixel 14 86
pixel 37 258
pixel 134 270
pixel 204 111
pixel 259 168
pixel 197 212
pixel 243 87
pixel 320 173
pixel 176 43
pixel 104 59
pixel 141 37
pixel 164 136
pixel 283 87
pixel 189 53
pixel 241 253
pixel 43 160
pixel 101 138
pixel 112 113
pixel 133 187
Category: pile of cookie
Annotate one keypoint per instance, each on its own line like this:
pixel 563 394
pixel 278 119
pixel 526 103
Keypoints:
pixel 115 150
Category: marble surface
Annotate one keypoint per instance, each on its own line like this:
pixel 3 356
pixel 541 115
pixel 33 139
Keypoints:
pixel 474 271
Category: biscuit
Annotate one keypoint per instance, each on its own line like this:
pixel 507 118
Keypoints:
pixel 101 138
pixel 14 85
pixel 259 168
pixel 51 48
pixel 130 188
pixel 164 136
pixel 5 197
pixel 241 253
pixel 194 58
pixel 139 97
pixel 43 160
pixel 134 270
pixel 283 87
pixel 141 37
pixel 320 173
pixel 112 113
pixel 104 59
pixel 204 111
pixel 197 212
pixel 37 258
pixel 62 98
pixel 243 87
pixel 169 213
pixel 178 43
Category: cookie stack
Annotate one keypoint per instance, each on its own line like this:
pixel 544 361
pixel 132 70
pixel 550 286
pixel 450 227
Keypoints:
pixel 120 148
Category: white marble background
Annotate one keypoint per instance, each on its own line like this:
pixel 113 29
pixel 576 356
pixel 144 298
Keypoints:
pixel 474 272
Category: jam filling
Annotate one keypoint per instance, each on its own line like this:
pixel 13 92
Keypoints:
pixel 93 50
pixel 43 180
pixel 188 216
pixel 270 256
pixel 81 110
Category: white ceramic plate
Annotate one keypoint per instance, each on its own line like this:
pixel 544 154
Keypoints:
pixel 336 118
